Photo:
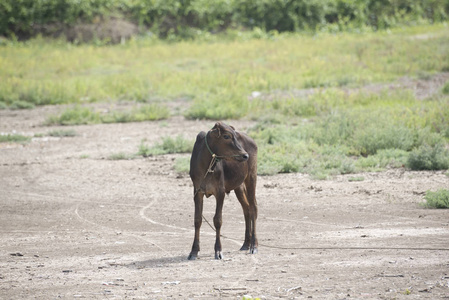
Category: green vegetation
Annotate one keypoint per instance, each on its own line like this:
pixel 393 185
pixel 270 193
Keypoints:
pixel 21 105
pixel 85 115
pixel 446 88
pixel 121 156
pixel 62 133
pixel 173 19
pixel 356 179
pixel 426 157
pixel 14 138
pixel 352 134
pixel 182 164
pixel 438 199
pixel 325 104
pixel 220 76
pixel 167 146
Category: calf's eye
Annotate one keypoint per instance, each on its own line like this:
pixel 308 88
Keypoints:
pixel 226 136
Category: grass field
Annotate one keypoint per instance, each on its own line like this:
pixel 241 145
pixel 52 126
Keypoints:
pixel 307 93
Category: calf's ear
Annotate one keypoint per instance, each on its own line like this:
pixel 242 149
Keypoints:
pixel 217 128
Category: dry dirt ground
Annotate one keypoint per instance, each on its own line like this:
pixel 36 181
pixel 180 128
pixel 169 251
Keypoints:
pixel 74 224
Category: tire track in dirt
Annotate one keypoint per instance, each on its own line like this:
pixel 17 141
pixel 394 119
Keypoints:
pixel 143 215
pixel 111 230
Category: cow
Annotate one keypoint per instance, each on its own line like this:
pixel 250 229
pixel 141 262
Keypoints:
pixel 224 160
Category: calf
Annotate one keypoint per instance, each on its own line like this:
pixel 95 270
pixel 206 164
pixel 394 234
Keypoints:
pixel 224 160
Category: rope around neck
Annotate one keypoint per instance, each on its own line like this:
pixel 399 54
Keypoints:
pixel 215 156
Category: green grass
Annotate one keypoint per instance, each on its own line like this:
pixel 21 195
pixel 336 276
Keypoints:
pixel 78 115
pixel 312 111
pixel 438 199
pixel 218 76
pixel 445 89
pixel 14 138
pixel 62 133
pixel 182 164
pixel 356 178
pixel 121 156
pixel 426 157
pixel 168 145
pixel 350 135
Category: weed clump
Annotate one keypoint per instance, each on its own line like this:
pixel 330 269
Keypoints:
pixel 426 157
pixel 168 145
pixel 445 89
pixel 14 138
pixel 83 115
pixel 75 116
pixel 121 156
pixel 438 199
pixel 62 133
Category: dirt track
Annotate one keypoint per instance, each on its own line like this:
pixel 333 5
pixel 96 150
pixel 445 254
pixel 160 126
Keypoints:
pixel 74 227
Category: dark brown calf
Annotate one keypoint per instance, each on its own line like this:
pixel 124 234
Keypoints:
pixel 224 160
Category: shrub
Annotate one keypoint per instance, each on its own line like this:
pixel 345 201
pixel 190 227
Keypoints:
pixel 144 150
pixel 376 137
pixel 426 157
pixel 438 199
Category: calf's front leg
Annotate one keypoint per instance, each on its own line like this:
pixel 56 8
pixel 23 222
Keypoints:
pixel 198 198
pixel 218 220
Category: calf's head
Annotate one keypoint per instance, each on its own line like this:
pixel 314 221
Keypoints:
pixel 223 142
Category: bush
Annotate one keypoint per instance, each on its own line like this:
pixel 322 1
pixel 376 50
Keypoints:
pixel 374 138
pixel 438 199
pixel 426 157
pixel 184 19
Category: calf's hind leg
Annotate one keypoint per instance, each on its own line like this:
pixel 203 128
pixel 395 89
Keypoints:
pixel 253 211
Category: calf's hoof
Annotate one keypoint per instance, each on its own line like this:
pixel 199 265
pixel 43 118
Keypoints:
pixel 192 256
pixel 245 247
pixel 218 255
pixel 253 250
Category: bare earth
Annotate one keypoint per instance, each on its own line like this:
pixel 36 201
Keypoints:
pixel 74 224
